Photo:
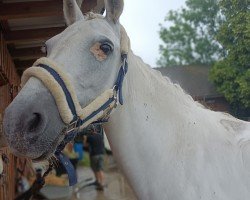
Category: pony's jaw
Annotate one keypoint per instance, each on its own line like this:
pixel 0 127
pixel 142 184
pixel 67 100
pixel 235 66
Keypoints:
pixel 33 125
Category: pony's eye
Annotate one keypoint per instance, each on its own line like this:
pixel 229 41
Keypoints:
pixel 106 48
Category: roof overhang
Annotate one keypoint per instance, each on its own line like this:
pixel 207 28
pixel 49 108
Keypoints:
pixel 27 24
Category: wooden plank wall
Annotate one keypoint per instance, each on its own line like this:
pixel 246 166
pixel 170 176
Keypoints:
pixel 7 180
pixel 9 87
pixel 7 66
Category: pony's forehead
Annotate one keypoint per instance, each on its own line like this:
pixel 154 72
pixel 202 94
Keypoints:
pixel 97 23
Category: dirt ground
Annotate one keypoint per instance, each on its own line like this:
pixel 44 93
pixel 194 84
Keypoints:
pixel 116 187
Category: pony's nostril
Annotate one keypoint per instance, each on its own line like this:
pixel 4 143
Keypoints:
pixel 34 123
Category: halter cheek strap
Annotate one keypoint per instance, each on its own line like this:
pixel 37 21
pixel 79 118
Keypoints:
pixel 69 108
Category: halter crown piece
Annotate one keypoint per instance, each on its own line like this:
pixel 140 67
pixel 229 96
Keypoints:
pixel 68 105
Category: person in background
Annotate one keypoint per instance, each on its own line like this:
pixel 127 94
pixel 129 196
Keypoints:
pixel 95 142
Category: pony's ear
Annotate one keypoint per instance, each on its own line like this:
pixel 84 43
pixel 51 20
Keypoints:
pixel 114 9
pixel 71 10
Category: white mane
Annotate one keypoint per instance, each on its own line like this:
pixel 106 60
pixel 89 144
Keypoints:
pixel 91 15
pixel 157 78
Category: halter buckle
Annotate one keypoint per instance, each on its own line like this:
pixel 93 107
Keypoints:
pixel 71 127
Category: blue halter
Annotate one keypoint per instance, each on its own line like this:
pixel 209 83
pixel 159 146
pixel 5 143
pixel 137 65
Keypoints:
pixel 71 129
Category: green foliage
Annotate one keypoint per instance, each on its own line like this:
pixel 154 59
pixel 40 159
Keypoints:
pixel 231 75
pixel 207 31
pixel 191 37
pixel 85 162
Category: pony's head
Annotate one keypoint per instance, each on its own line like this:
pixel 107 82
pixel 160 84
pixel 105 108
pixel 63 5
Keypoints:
pixel 88 52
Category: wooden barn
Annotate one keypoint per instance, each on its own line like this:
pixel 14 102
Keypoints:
pixel 24 27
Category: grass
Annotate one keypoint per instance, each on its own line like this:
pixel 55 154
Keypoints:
pixel 85 162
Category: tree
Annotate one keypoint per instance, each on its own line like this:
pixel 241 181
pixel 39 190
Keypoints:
pixel 191 37
pixel 231 75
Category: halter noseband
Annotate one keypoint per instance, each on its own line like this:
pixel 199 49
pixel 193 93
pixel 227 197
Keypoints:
pixel 69 108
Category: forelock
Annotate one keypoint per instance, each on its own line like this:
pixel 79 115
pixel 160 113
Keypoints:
pixel 91 15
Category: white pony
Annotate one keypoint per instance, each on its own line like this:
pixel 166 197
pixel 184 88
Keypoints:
pixel 168 146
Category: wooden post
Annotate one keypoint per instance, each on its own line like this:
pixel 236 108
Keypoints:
pixel 9 85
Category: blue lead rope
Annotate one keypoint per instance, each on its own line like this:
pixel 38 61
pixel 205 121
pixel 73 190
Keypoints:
pixel 68 167
pixel 71 135
pixel 64 159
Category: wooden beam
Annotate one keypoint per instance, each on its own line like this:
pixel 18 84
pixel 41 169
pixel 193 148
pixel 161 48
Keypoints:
pixel 4 26
pixel 7 67
pixel 38 9
pixel 30 9
pixel 32 34
pixel 27 53
pixel 23 64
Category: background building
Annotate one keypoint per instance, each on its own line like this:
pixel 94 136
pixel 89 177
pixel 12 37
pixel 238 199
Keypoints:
pixel 194 80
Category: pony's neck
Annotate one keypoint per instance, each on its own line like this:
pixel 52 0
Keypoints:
pixel 148 119
pixel 162 140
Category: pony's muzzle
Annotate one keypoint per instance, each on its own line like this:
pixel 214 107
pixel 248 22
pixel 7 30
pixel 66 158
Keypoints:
pixel 25 126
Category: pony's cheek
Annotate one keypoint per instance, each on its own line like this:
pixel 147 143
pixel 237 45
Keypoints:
pixel 97 52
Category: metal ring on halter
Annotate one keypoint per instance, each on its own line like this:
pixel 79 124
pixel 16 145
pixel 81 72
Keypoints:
pixel 115 92
pixel 71 127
